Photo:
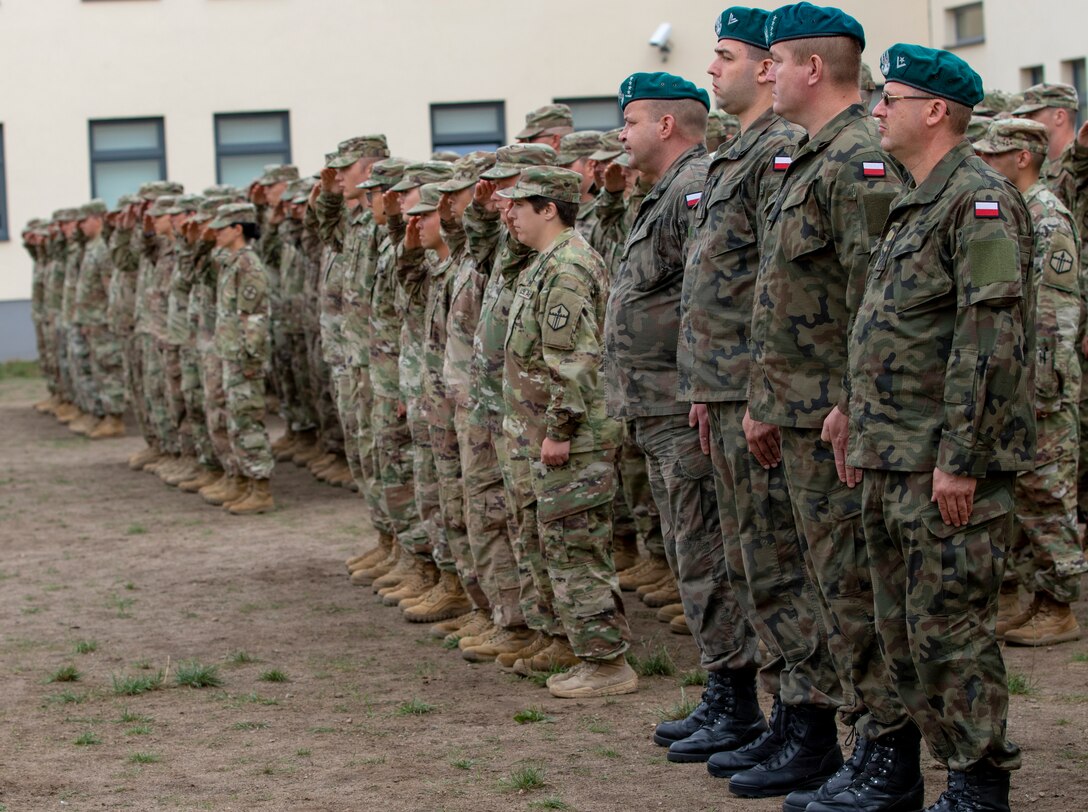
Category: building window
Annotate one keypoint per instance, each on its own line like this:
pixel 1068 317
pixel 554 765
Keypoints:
pixel 596 113
pixel 464 128
pixel 246 142
pixel 1029 77
pixel 1077 76
pixel 126 153
pixel 3 190
pixel 966 24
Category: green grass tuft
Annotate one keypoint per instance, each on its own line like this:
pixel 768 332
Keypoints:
pixel 274 675
pixel 134 686
pixel 86 647
pixel 241 658
pixel 249 725
pixel 10 370
pixel 530 715
pixel 696 676
pixel 197 675
pixel 414 707
pixel 657 663
pixel 144 758
pixel 87 739
pixel 463 763
pixel 1020 685
pixel 540 678
pixel 68 673
pixel 680 710
pixel 524 779
pixel 549 803
pixel 68 698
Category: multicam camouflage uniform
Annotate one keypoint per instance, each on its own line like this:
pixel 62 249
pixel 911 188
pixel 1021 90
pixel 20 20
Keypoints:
pixel 77 358
pixel 1075 164
pixel 764 562
pixel 92 300
pixel 551 389
pixel 120 314
pixel 937 380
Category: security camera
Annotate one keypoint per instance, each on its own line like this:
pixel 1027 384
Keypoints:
pixel 660 37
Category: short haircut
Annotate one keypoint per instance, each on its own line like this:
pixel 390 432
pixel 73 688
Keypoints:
pixel 757 54
pixel 959 116
pixel 251 231
pixel 567 211
pixel 841 55
pixel 690 115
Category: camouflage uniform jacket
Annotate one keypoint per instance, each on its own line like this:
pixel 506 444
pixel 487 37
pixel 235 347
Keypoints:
pixel 54 276
pixel 292 276
pixel 819 231
pixel 149 247
pixel 385 316
pixel 1058 177
pixel 92 288
pixel 939 370
pixel 120 312
pixel 73 253
pixel 464 298
pixel 438 403
pixel 414 271
pixel 713 355
pixel 553 353
pixel 179 329
pixel 361 256
pixel 203 302
pixel 242 312
pixel 37 285
pixel 314 252
pixel 158 289
pixel 586 222
pixel 332 217
pixel 642 319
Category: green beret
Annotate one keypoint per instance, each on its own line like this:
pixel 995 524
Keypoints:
pixel 932 71
pixel 1048 94
pixel 748 25
pixel 548 117
pixel 611 146
pixel 511 159
pixel 581 144
pixel 384 173
pixel 552 182
pixel 233 214
pixel 660 85
pixel 804 20
pixel 364 146
pixel 1008 134
pixel 96 208
pixel 467 171
pixel 424 172
pixel 429 196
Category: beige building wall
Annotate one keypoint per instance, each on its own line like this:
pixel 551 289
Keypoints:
pixel 340 67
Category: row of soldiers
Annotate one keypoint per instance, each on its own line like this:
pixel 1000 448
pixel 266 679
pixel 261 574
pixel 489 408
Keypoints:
pixel 506 353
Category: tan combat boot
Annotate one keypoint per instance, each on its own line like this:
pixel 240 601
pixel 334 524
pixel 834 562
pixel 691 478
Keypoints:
pixel 340 475
pixel 445 600
pixel 84 424
pixel 204 478
pixel 557 654
pixel 661 583
pixel 663 595
pixel 400 570
pixel 227 489
pixel 466 638
pixel 423 576
pixel 258 500
pixel 1010 614
pixel 308 454
pixel 67 412
pixel 679 625
pixel 666 613
pixel 537 644
pixel 501 641
pixel 366 575
pixel 167 469
pixel 593 678
pixel 213 493
pixel 141 458
pixel 243 485
pixel 111 426
pixel 47 406
pixel 372 556
pixel 652 570
pixel 624 553
pixel 453 630
pixel 186 469
pixel 288 439
pixel 1052 622
pixel 321 463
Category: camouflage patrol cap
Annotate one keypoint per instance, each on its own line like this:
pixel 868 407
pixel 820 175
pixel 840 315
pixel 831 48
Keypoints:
pixel 996 102
pixel 623 159
pixel 150 191
pixel 721 126
pixel 467 171
pixel 1008 134
pixel 123 201
pixel 449 156
pixel 186 204
pixel 548 117
pixel 233 214
pixel 278 173
pixel 302 191
pixel 552 182
pixel 804 20
pixel 423 172
pixel 611 146
pixel 660 85
pixel 866 82
pixel 363 146
pixel 747 25
pixel 932 70
pixel 65 215
pixel 162 205
pixel 36 225
pixel 209 206
pixel 977 127
pixel 1048 94
pixel 384 173
pixel 329 158
pixel 95 208
pixel 223 190
pixel 581 144
pixel 429 196
pixel 511 159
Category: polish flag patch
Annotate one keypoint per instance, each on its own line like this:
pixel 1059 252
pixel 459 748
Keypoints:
pixel 987 209
pixel 693 199
pixel 782 163
pixel 873 169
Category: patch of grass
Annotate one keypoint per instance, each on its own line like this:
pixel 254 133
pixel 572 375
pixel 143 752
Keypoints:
pixel 249 725
pixel 1019 684
pixel 122 605
pixel 86 646
pixel 656 663
pixel 87 739
pixel 607 752
pixel 595 724
pixel 128 717
pixel 450 644
pixel 241 658
pixel 135 529
pixel 31 610
pixel 414 707
pixel 134 686
pixel 68 698
pixel 539 678
pixel 274 675
pixel 680 710
pixel 463 763
pixel 197 675
pixel 304 752
pixel 144 758
pixel 139 730
pixel 67 673
pixel 549 803
pixel 1081 657
pixel 524 779
pixel 10 370
pixel 322 729
pixel 530 715
pixel 696 676
pixel 1062 723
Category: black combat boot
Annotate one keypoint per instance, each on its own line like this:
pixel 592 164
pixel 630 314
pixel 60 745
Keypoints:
pixel 734 719
pixel 890 781
pixel 798 800
pixel 981 789
pixel 668 732
pixel 809 755
pixel 725 764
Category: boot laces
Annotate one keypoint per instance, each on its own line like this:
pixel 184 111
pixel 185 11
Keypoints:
pixel 878 767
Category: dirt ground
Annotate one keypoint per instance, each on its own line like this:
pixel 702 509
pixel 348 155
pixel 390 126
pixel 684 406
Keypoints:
pixel 95 556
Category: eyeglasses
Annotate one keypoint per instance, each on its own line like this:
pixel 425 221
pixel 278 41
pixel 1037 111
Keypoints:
pixel 887 98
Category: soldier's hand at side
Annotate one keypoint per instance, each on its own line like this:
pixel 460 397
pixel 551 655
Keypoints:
pixel 764 441
pixel 615 181
pixel 553 452
pixel 412 233
pixel 698 416
pixel 329 183
pixel 482 194
pixel 955 496
pixel 836 431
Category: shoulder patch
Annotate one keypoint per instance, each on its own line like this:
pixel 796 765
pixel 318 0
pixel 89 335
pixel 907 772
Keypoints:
pixel 873 169
pixel 1061 262
pixel 781 163
pixel 987 209
pixel 561 314
pixel 249 293
pixel 558 316
pixel 693 199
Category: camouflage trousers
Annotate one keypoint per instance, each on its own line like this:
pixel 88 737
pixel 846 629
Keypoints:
pixel 1046 555
pixel 1082 466
pixel 64 369
pixel 107 369
pixel 250 447
pixel 82 374
pixel 368 481
pixel 329 430
pixel 488 520
pixel 296 398
pixel 425 477
pixel 828 516
pixel 766 568
pixel 346 385
pixel 634 512
pixel 393 460
pixel 192 390
pixel 936 592
pixel 134 384
pixel 181 431
pixel 158 415
pixel 574 522
pixel 215 409
pixel 682 479
pixel 47 353
pixel 537 596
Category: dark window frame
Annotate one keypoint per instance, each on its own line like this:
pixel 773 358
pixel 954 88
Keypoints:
pixel 955 12
pixel 1080 82
pixel 469 138
pixel 5 231
pixel 255 148
pixel 574 100
pixel 122 155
